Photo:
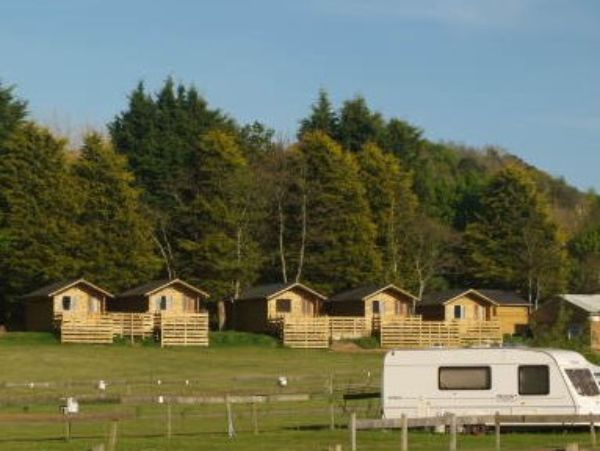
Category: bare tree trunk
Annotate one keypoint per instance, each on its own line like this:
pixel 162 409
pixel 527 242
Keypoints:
pixel 221 314
pixel 393 246
pixel 537 293
pixel 281 245
pixel 302 241
pixel 238 251
pixel 169 251
pixel 530 290
pixel 165 257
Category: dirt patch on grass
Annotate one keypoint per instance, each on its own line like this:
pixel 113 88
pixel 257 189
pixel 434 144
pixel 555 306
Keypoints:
pixel 348 346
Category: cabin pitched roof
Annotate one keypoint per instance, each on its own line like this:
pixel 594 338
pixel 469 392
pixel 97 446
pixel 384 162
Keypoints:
pixel 270 290
pixel 588 302
pixel 504 297
pixel 146 289
pixel 446 296
pixel 365 291
pixel 56 287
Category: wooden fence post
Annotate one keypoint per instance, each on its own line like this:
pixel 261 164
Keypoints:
pixel 67 429
pixel 230 426
pixel 169 421
pixel 452 446
pixel 255 418
pixel 497 430
pixel 112 435
pixel 353 431
pixel 404 445
pixel 331 404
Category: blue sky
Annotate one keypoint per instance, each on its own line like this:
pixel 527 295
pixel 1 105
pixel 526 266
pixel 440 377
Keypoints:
pixel 521 74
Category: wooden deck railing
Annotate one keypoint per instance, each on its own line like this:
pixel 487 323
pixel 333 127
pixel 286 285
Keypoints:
pixel 416 333
pixel 189 329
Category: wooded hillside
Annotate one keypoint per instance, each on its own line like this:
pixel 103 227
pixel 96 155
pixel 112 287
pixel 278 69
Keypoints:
pixel 179 188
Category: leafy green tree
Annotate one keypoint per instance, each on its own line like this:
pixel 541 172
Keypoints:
pixel 40 205
pixel 585 251
pixel 392 204
pixel 512 242
pixel 340 236
pixel 219 244
pixel 118 248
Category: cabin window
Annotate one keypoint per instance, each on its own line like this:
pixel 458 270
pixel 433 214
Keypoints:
pixel 459 311
pixel 399 308
pixel 377 307
pixel 67 303
pixel 534 380
pixel 283 305
pixel 583 381
pixel 465 378
pixel 163 303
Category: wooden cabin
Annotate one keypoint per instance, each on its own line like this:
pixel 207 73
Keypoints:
pixel 257 306
pixel 48 304
pixel 373 302
pixel 512 310
pixel 161 296
pixel 459 304
pixel 507 307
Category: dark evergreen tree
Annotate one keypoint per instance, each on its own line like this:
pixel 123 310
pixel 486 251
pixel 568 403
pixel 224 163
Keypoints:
pixel 340 233
pixel 118 248
pixel 358 125
pixel 323 118
pixel 513 242
pixel 40 205
pixel 219 244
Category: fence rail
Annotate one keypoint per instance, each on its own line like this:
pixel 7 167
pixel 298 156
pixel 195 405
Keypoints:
pixel 343 327
pixel 132 324
pixel 306 332
pixel 453 422
pixel 96 330
pixel 184 330
pixel 416 333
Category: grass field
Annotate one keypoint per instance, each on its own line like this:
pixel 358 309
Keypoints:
pixel 36 371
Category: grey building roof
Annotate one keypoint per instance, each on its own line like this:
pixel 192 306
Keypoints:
pixel 360 293
pixel 55 287
pixel 588 302
pixel 269 290
pixel 148 288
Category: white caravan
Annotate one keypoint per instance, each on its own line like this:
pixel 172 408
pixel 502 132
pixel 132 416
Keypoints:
pixel 511 381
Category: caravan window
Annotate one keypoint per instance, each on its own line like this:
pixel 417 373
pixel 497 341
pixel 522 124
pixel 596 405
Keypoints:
pixel 465 378
pixel 534 380
pixel 583 381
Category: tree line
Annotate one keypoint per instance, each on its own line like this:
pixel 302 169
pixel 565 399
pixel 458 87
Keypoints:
pixel 176 188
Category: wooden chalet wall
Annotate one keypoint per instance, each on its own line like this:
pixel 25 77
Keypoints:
pixel 514 319
pixel 303 304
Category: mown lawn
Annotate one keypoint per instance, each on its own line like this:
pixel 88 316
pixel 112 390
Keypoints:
pixel 236 364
